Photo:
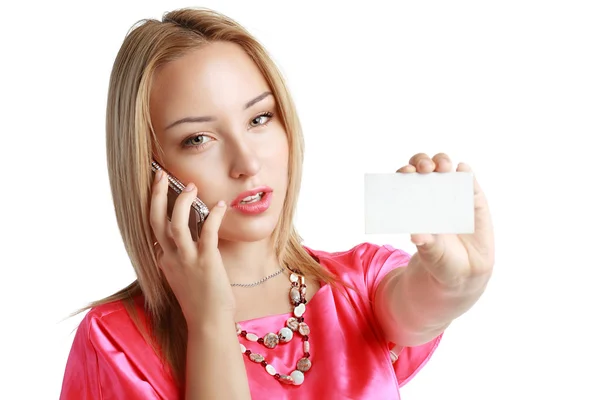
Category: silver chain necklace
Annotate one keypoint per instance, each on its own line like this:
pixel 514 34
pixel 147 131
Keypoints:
pixel 266 278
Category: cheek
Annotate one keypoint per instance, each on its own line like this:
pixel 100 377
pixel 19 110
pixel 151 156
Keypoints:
pixel 209 191
pixel 280 156
pixel 209 182
pixel 284 154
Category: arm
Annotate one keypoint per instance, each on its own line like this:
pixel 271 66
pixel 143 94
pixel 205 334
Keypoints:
pixel 413 307
pixel 215 367
pixel 110 359
pixel 196 274
pixel 444 278
pixel 81 376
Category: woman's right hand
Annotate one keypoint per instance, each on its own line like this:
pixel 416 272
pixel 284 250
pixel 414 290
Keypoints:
pixel 194 270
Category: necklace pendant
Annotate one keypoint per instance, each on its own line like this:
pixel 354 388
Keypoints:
pixel 285 334
pixel 285 379
pixel 297 377
pixel 299 310
pixel 270 369
pixel 303 329
pixel 295 295
pixel 303 364
pixel 251 337
pixel 292 323
pixel 271 340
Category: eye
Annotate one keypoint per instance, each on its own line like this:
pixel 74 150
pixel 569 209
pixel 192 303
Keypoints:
pixel 261 119
pixel 197 141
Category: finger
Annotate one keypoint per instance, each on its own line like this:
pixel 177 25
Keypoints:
pixel 158 210
pixel 158 250
pixel 422 163
pixel 407 169
pixel 462 167
pixel 442 162
pixel 421 239
pixel 180 228
pixel 430 247
pixel 483 225
pixel 209 236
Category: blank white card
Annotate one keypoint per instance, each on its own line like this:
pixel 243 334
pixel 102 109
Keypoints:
pixel 419 203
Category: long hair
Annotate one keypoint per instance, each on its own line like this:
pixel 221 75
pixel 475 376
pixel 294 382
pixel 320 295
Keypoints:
pixel 130 141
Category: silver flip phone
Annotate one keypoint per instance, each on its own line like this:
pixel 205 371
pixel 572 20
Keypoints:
pixel 198 210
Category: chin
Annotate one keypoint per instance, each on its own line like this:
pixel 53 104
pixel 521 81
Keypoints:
pixel 247 229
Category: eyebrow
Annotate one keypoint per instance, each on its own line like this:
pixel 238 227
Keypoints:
pixel 210 118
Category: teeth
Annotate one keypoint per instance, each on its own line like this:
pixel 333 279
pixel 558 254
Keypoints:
pixel 251 199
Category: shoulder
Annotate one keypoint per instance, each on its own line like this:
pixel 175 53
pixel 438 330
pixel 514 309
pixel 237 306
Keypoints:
pixel 112 320
pixel 111 358
pixel 112 311
pixel 363 266
pixel 114 308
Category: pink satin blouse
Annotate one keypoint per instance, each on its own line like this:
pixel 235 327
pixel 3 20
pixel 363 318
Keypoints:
pixel 109 358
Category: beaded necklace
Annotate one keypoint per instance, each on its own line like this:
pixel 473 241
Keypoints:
pixel 293 324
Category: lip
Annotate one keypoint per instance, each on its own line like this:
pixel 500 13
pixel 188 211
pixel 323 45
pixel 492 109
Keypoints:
pixel 257 207
pixel 252 192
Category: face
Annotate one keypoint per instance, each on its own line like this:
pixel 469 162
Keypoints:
pixel 216 121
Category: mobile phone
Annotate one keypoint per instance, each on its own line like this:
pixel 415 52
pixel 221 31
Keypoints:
pixel 198 210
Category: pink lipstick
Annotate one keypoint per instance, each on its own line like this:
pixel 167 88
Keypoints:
pixel 253 202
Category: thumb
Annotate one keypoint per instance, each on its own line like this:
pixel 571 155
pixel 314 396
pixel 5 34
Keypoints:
pixel 430 247
pixel 209 234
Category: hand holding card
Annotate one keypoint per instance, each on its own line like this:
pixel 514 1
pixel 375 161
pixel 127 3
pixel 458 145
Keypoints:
pixel 417 203
pixel 445 212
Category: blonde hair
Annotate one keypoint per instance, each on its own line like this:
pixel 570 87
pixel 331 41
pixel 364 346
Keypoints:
pixel 130 140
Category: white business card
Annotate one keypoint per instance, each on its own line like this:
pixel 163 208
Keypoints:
pixel 419 203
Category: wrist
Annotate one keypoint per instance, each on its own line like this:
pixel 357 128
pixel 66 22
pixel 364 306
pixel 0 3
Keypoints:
pixel 215 326
pixel 442 280
pixel 452 284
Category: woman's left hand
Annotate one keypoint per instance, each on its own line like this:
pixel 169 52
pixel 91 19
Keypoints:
pixel 454 258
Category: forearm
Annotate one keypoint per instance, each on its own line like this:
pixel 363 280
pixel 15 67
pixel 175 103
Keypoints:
pixel 215 367
pixel 418 307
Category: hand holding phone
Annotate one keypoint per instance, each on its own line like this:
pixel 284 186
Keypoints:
pixel 198 210
pixel 193 268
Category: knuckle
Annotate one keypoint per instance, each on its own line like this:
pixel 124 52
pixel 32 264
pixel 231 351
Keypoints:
pixel 440 156
pixel 187 260
pixel 178 231
pixel 154 224
pixel 417 157
pixel 207 229
pixel 185 194
pixel 168 261
pixel 156 189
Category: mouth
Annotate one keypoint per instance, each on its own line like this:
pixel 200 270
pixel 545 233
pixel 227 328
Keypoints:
pixel 253 201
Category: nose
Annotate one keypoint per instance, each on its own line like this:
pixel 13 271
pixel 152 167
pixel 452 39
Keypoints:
pixel 244 160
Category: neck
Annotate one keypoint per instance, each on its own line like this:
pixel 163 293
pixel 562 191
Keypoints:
pixel 248 262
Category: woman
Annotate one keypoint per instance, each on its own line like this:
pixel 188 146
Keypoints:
pixel 247 311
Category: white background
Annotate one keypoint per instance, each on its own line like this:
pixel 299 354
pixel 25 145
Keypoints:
pixel 511 87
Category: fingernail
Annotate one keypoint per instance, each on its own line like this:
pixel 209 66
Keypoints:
pixel 221 203
pixel 189 187
pixel 157 176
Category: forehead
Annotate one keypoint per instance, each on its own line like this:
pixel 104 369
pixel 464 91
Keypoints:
pixel 217 76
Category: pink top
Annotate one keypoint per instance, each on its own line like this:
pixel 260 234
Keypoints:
pixel 110 359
